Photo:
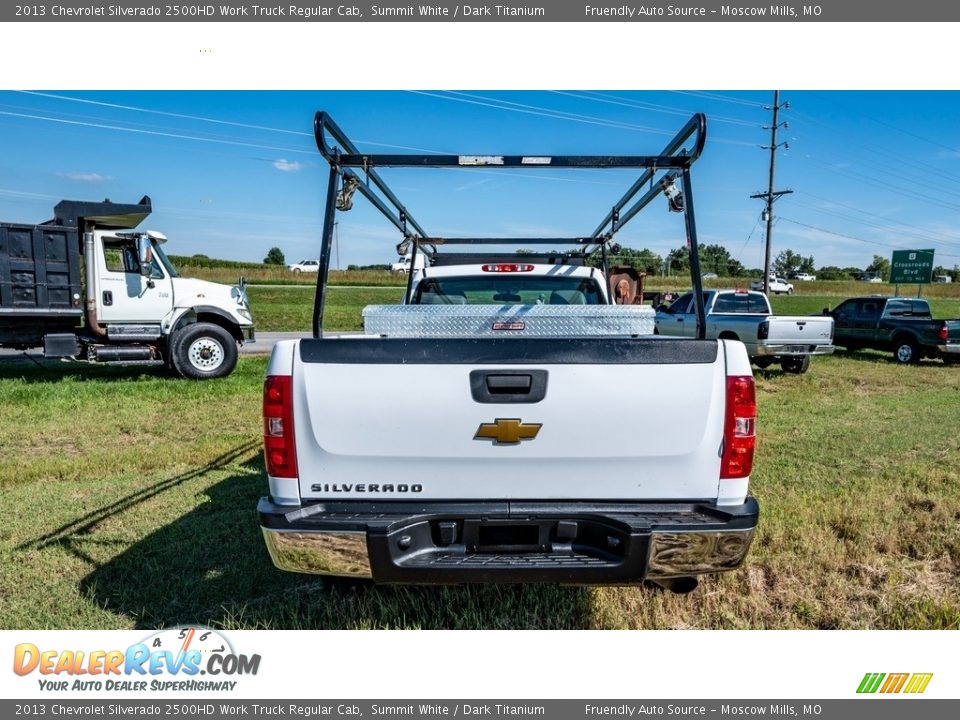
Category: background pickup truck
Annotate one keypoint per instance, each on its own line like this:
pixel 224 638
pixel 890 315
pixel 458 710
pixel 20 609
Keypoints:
pixel 902 325
pixel 506 423
pixel 747 317
pixel 778 285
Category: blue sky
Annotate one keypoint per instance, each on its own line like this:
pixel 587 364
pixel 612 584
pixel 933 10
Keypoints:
pixel 233 173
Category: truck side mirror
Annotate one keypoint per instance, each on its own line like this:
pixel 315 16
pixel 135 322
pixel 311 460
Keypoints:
pixel 826 311
pixel 144 254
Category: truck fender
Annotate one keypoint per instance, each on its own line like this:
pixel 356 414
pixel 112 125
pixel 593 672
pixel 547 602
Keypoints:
pixel 210 314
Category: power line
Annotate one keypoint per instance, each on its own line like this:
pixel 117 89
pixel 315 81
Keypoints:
pixel 851 237
pixel 165 113
pixel 168 133
pixel 928 235
pixel 542 112
pixel 718 97
pixel 599 97
pixel 140 131
pixel 920 176
pixel 219 121
pixel 747 241
pixel 866 223
pixel 525 109
pixel 883 185
pixel 894 157
pixel 890 125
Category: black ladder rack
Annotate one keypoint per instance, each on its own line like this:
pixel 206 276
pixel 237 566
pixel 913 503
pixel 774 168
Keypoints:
pixel 674 162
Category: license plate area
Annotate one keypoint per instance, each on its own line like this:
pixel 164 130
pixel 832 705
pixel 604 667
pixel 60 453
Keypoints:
pixel 508 549
pixel 505 537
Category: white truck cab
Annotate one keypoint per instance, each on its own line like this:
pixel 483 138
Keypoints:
pixel 511 281
pixel 139 294
pixel 131 306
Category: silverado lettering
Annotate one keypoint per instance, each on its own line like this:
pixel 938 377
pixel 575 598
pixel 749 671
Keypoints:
pixel 363 488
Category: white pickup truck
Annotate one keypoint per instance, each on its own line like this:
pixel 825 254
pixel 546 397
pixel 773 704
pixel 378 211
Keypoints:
pixel 746 316
pixel 778 286
pixel 403 264
pixel 506 423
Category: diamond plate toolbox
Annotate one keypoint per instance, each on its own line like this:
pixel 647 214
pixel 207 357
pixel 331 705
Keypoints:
pixel 455 321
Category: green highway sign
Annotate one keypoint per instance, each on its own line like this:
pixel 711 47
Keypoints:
pixel 911 266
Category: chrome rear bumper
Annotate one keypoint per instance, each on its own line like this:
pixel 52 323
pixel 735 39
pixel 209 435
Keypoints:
pixel 793 349
pixel 572 543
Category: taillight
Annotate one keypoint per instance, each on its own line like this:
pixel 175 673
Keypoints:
pixel 739 430
pixel 763 330
pixel 507 267
pixel 278 445
pixel 942 335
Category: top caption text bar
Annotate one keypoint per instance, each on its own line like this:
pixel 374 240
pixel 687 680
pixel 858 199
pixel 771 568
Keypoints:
pixel 446 11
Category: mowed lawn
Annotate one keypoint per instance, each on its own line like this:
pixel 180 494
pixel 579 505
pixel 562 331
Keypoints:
pixel 130 497
pixel 291 308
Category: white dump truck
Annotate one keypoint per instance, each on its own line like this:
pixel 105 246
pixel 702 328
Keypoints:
pixel 508 422
pixel 88 286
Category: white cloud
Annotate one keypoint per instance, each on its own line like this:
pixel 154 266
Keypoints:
pixel 86 177
pixel 285 165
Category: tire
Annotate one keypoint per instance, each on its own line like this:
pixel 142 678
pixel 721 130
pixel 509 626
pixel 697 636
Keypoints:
pixel 204 351
pixel 796 365
pixel 951 359
pixel 905 351
pixel 790 292
pixel 296 271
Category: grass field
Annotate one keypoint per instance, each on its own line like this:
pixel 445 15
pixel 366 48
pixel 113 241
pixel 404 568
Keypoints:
pixel 264 275
pixel 281 276
pixel 291 308
pixel 131 496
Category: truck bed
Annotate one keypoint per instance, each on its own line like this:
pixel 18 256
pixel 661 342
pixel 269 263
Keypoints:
pixel 587 460
pixel 39 270
pixel 415 410
pixel 40 289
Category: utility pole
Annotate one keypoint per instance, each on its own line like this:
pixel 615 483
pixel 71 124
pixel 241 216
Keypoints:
pixel 771 195
pixel 336 241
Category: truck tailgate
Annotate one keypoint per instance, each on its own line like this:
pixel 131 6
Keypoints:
pixel 802 330
pixel 382 419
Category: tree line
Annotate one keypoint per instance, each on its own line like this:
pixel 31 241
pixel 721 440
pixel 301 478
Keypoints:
pixel 717 259
pixel 714 259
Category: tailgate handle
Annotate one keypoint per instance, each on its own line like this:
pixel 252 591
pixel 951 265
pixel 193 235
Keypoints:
pixel 508 386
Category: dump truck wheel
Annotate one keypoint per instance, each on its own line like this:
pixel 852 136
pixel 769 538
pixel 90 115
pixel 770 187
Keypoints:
pixel 203 350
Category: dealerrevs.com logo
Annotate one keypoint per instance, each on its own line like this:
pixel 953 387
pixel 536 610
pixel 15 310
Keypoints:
pixel 892 683
pixel 178 659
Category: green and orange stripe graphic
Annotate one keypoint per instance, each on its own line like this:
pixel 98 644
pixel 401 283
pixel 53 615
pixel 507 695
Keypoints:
pixel 894 683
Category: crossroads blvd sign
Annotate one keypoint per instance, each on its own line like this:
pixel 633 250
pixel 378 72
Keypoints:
pixel 911 266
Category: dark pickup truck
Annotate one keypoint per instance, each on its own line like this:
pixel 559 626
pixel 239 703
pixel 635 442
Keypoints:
pixel 902 325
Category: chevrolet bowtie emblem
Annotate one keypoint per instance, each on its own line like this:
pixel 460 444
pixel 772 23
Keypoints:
pixel 507 431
